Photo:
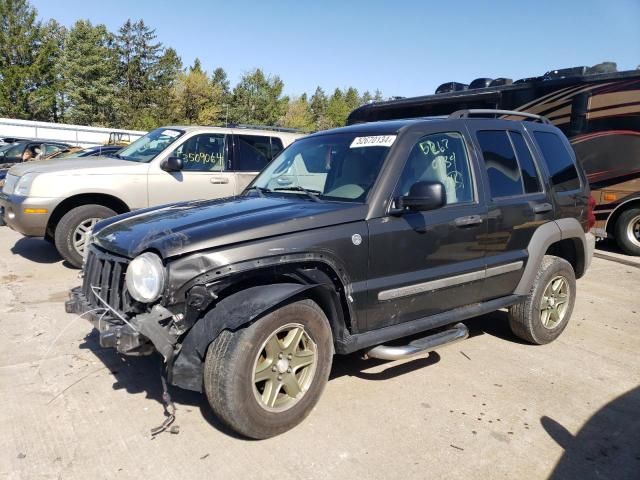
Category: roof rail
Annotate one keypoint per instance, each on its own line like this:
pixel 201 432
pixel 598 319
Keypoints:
pixel 487 111
pixel 263 127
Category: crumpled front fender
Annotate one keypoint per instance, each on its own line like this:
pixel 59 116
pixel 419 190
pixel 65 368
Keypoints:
pixel 230 313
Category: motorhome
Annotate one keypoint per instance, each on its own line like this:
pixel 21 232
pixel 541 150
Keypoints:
pixel 598 108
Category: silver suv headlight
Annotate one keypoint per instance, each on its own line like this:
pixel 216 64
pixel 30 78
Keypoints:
pixel 24 184
pixel 145 277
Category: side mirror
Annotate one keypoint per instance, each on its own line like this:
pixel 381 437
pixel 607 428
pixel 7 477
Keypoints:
pixel 172 164
pixel 425 196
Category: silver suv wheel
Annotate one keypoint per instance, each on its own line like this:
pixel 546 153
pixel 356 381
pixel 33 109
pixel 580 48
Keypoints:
pixel 81 234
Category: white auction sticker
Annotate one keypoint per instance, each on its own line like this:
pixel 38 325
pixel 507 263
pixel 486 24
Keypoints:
pixel 373 141
pixel 170 133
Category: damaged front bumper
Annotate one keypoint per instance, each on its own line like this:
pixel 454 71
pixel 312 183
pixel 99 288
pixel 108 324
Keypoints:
pixel 138 335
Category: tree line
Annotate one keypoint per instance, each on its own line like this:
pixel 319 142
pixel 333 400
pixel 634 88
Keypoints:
pixel 88 75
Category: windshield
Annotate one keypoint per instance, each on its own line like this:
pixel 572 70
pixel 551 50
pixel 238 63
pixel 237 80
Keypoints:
pixel 150 146
pixel 340 167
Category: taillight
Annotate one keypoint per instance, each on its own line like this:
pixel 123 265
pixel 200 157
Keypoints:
pixel 591 214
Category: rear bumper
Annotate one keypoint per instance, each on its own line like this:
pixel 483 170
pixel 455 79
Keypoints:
pixel 12 213
pixel 590 244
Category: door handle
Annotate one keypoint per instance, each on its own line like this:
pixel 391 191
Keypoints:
pixel 542 208
pixel 468 221
pixel 218 180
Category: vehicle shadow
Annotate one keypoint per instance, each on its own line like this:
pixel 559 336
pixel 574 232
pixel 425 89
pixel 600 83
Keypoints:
pixel 608 245
pixel 495 324
pixel 143 375
pixel 38 250
pixel 354 365
pixel 607 446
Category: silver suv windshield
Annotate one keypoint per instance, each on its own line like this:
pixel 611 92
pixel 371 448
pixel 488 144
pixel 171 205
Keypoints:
pixel 341 167
pixel 149 146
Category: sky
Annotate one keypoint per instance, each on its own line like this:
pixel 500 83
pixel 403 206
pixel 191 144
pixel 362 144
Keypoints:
pixel 403 48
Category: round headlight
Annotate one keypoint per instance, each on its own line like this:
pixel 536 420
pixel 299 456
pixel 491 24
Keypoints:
pixel 145 277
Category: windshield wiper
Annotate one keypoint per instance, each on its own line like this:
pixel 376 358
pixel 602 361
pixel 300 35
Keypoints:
pixel 312 194
pixel 261 190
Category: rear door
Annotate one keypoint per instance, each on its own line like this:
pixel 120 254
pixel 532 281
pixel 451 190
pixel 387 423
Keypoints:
pixel 251 153
pixel 424 263
pixel 203 176
pixel 566 182
pixel 517 201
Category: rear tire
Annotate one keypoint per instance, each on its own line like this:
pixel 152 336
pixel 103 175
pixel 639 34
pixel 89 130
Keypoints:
pixel 544 314
pixel 70 230
pixel 627 231
pixel 243 367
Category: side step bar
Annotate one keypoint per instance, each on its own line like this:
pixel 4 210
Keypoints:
pixel 426 344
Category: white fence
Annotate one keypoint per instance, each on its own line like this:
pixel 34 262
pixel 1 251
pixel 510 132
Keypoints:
pixel 73 134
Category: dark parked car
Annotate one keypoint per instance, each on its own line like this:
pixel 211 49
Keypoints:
pixel 350 239
pixel 79 152
pixel 36 149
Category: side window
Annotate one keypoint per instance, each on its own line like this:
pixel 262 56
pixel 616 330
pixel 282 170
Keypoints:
pixel 49 149
pixel 501 164
pixel 527 167
pixel 202 153
pixel 564 175
pixel 14 154
pixel 440 157
pixel 276 147
pixel 254 152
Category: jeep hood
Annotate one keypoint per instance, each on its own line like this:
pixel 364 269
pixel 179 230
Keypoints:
pixel 192 226
pixel 75 166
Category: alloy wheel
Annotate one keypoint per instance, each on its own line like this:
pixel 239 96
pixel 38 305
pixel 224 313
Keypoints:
pixel 284 368
pixel 80 234
pixel 553 306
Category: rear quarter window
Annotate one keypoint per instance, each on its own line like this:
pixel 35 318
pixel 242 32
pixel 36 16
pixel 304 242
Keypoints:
pixel 562 169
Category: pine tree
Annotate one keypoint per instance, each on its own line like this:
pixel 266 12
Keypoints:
pixel 338 109
pixel 89 69
pixel 167 72
pixel 140 56
pixel 366 98
pixel 318 105
pixel 20 38
pixel 46 100
pixel 257 99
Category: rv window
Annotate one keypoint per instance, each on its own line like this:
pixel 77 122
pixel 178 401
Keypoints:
pixel 501 164
pixel 564 175
pixel 527 167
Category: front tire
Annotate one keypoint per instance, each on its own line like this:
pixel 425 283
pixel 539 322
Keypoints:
pixel 628 231
pixel 264 379
pixel 544 314
pixel 69 236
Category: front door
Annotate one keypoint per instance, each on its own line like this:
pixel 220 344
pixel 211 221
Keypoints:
pixel 203 175
pixel 424 263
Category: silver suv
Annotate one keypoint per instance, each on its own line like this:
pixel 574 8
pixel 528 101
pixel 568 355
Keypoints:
pixel 61 200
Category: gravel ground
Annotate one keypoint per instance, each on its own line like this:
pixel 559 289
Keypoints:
pixel 488 407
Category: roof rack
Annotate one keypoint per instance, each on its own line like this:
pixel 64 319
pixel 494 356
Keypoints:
pixel 263 127
pixel 486 111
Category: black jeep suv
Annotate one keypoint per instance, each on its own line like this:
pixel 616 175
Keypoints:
pixel 349 239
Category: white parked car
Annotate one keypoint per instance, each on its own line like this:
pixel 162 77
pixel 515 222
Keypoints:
pixel 61 200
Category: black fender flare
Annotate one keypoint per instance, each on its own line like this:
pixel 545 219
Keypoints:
pixel 230 313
